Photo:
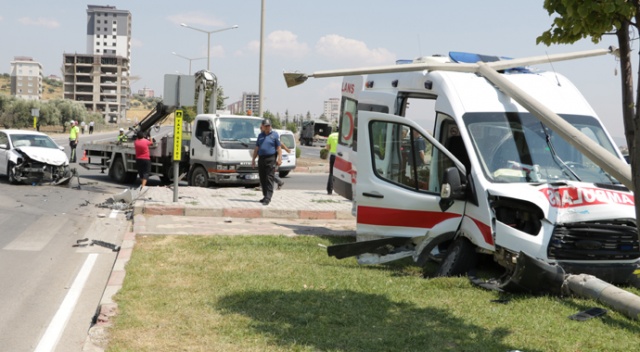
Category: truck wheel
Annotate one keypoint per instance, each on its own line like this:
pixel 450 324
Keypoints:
pixel 117 171
pixel 199 177
pixel 461 257
pixel 11 174
pixel 283 173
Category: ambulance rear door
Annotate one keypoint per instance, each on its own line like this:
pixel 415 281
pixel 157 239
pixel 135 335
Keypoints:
pixel 344 170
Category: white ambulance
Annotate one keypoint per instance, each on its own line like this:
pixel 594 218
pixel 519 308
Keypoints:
pixel 445 165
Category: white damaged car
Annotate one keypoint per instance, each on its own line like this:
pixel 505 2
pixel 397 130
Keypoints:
pixel 32 157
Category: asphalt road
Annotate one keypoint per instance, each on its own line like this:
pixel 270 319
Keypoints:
pixel 51 289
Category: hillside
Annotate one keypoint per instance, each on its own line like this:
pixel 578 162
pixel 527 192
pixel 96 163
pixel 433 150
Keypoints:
pixel 53 90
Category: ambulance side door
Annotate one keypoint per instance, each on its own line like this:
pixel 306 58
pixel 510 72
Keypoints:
pixel 400 168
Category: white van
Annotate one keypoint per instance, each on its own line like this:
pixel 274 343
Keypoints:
pixel 288 159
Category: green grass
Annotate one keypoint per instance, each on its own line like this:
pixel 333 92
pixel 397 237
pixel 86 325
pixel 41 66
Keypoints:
pixel 267 293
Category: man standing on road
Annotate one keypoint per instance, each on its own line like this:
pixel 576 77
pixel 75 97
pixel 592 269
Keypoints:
pixel 332 147
pixel 270 155
pixel 73 140
pixel 91 124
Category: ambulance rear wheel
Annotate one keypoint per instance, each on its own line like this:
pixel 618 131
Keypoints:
pixel 460 257
pixel 199 177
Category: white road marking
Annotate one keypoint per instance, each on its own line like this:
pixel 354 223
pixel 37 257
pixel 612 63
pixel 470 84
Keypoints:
pixel 60 319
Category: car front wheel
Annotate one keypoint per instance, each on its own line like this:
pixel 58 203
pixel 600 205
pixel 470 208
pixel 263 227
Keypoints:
pixel 11 173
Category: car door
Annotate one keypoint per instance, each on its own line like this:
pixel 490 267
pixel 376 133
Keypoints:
pixel 400 167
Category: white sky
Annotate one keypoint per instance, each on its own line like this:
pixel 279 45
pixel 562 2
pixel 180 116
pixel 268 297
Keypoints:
pixel 307 36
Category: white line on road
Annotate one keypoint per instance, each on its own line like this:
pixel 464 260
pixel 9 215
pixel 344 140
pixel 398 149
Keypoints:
pixel 59 321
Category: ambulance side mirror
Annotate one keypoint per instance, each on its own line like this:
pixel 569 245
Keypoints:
pixel 452 187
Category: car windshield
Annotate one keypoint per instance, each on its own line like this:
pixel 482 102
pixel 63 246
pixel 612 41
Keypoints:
pixel 517 147
pixel 32 140
pixel 238 132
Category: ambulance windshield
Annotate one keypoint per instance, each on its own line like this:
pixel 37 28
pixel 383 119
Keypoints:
pixel 517 147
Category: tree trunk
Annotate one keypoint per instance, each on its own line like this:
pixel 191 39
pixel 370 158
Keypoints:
pixel 629 110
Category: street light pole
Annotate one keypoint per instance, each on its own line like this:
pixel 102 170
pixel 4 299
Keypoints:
pixel 208 38
pixel 187 58
pixel 260 77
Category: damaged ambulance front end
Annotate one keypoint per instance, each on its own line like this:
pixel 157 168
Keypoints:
pixel 552 203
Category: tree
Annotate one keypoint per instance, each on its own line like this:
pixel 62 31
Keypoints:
pixel 275 122
pixel 220 98
pixel 577 19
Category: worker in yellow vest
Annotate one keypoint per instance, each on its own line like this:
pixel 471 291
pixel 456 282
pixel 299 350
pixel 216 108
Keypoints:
pixel 122 137
pixel 332 147
pixel 73 140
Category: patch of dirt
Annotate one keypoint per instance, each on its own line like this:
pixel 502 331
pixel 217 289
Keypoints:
pixel 307 162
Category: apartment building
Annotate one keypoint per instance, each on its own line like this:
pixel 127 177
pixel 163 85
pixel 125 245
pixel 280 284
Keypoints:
pixel 26 78
pixel 108 31
pixel 332 109
pixel 100 77
pixel 250 104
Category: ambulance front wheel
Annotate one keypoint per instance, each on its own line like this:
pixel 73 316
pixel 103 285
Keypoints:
pixel 460 257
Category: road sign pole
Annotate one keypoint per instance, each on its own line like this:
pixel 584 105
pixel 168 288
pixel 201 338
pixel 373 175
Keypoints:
pixel 177 151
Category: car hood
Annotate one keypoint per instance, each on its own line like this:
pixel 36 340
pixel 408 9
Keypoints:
pixel 49 156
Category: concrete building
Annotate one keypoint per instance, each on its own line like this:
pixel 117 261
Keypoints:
pixel 146 92
pixel 108 31
pixel 250 103
pixel 100 78
pixel 26 78
pixel 101 82
pixel 332 109
pixel 236 108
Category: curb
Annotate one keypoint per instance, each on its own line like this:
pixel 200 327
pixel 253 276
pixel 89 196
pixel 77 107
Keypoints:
pixel 182 210
pixel 97 335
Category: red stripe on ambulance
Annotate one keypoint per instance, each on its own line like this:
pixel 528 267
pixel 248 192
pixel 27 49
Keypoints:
pixel 401 217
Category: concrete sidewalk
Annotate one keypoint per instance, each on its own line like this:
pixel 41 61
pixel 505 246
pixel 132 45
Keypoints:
pixel 242 203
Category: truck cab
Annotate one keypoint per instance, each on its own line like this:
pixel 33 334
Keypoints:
pixel 221 148
pixel 443 165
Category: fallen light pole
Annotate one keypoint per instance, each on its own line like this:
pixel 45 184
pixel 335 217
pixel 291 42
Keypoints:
pixel 589 286
pixel 535 276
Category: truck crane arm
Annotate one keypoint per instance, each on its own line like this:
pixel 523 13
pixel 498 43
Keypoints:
pixel 155 116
